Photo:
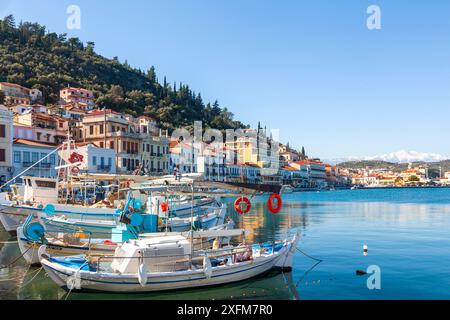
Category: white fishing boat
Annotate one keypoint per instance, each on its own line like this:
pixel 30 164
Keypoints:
pixel 31 236
pixel 166 263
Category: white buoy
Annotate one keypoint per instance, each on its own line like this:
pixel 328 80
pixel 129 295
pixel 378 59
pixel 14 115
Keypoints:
pixel 365 249
pixel 142 274
pixel 207 268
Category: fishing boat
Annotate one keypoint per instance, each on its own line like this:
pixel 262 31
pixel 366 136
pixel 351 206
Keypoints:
pixel 166 263
pixel 31 235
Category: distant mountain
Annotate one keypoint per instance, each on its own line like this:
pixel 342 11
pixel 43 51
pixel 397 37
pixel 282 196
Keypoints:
pixel 404 156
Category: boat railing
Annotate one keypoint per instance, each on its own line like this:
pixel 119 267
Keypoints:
pixel 172 263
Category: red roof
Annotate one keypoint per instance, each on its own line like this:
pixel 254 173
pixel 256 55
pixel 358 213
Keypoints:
pixel 33 143
pixel 98 112
pixel 289 168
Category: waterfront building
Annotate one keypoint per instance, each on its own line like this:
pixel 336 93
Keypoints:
pixel 256 148
pixel 297 177
pixel 183 156
pixel 15 94
pixel 95 159
pixel 6 137
pixel 211 163
pixel 112 130
pixel 248 173
pixel 155 154
pixel 316 171
pixel 79 97
pixel 28 152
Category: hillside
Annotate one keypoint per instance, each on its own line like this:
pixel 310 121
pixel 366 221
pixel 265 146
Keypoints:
pixel 34 57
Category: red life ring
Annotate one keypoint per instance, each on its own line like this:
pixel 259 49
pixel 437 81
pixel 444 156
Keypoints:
pixel 237 205
pixel 75 170
pixel 270 204
pixel 164 206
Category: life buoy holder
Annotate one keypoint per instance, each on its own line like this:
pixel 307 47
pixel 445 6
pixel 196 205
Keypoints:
pixel 270 203
pixel 238 205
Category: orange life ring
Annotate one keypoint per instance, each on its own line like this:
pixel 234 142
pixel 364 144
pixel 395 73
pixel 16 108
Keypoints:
pixel 270 205
pixel 237 205
pixel 164 206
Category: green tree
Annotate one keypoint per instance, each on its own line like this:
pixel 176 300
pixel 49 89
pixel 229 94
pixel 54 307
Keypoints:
pixel 2 97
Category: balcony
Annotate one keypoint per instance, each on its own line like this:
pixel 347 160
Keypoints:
pixel 103 168
pixel 42 165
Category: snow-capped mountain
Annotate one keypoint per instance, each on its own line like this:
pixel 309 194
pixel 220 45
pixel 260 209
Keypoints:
pixel 404 156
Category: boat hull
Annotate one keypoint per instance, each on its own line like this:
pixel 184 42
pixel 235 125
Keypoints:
pixel 92 281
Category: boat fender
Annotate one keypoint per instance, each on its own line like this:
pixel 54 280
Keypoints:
pixel 270 203
pixel 242 202
pixel 142 274
pixel 207 267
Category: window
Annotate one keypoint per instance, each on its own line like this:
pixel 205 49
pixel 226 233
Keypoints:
pixel 46 184
pixel 60 124
pixel 2 131
pixel 102 144
pixel 17 156
pixel 113 128
pixel 101 129
pixel 102 162
pixel 91 130
pixel 124 162
pixel 111 144
pixel 44 155
pixel 94 160
pixel 52 159
pixel 35 156
pixel 2 155
pixel 26 156
pixel 38 135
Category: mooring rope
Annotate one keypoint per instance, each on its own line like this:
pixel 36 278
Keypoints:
pixel 15 260
pixel 307 255
pixel 34 277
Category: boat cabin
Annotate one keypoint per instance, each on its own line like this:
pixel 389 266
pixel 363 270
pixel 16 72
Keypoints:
pixel 40 190
pixel 158 254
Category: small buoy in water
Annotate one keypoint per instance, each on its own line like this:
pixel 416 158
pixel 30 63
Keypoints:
pixel 360 273
pixel 365 249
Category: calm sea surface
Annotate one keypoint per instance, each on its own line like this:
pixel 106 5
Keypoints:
pixel 407 232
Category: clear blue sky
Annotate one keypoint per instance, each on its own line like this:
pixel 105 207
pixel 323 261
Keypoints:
pixel 310 68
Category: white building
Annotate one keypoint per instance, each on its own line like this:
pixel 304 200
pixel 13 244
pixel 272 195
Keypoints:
pixel 6 138
pixel 27 152
pixel 96 160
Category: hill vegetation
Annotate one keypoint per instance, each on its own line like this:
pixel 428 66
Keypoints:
pixel 34 57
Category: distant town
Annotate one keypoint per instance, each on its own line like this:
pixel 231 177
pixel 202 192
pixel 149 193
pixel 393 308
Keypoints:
pixel 118 143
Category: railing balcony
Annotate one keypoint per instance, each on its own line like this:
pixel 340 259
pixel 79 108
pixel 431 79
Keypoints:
pixel 42 165
pixel 104 168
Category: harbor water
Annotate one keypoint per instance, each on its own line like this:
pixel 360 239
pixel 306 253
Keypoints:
pixel 407 232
